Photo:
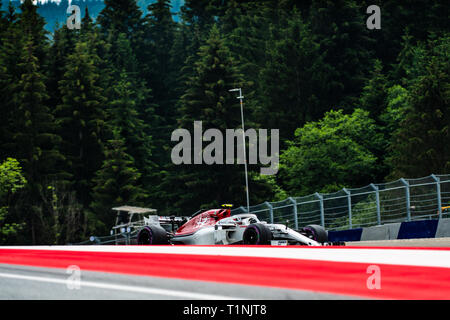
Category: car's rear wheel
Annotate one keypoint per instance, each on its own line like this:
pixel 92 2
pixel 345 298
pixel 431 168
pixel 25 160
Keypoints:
pixel 152 235
pixel 257 234
pixel 316 232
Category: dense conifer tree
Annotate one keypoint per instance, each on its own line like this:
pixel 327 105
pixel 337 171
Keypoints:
pixel 344 39
pixel 81 117
pixel 418 144
pixel 115 184
pixel 373 97
pixel 293 78
pixel 209 101
pixel 33 141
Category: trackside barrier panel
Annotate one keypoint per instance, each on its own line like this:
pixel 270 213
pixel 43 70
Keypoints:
pixel 345 235
pixel 418 229
pixel 406 230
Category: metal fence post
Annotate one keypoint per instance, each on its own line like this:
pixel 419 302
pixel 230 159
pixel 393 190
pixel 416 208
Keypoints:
pixel 438 191
pixel 349 204
pixel 377 197
pixel 322 213
pixel 295 212
pixel 270 211
pixel 408 203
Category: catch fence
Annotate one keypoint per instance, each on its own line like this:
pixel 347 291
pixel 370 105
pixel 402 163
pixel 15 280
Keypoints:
pixel 375 204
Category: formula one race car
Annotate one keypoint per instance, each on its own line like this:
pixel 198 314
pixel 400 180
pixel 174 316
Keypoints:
pixel 217 226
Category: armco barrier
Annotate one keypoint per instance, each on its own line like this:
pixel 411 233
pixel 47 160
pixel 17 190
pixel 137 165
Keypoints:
pixel 404 230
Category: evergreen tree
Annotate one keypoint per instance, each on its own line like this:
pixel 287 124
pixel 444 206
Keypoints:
pixel 121 16
pixel 124 115
pixel 122 58
pixel 11 14
pixel 9 51
pixel 201 13
pixel 374 100
pixel 344 39
pixel 32 25
pixel 3 20
pixel 161 73
pixel 246 27
pixel 405 70
pixel 293 79
pixel 82 117
pixel 418 147
pixel 87 22
pixel 34 140
pixel 397 106
pixel 116 184
pixel 373 97
pixel 209 101
pixel 197 19
pixel 64 41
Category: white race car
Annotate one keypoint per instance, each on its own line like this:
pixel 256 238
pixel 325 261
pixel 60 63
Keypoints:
pixel 218 227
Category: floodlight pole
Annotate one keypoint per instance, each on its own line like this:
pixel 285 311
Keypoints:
pixel 241 97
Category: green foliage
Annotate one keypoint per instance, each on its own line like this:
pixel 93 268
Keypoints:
pixel 364 214
pixel 11 180
pixel 397 99
pixel 331 153
pixel 373 98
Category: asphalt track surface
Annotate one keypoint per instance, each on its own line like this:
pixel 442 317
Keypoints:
pixel 32 283
pixel 223 272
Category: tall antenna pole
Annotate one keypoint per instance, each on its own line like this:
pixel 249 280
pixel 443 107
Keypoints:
pixel 241 97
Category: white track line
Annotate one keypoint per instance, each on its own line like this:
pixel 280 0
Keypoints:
pixel 409 257
pixel 145 290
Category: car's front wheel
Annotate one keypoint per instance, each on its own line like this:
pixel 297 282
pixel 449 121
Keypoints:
pixel 152 235
pixel 257 234
pixel 316 232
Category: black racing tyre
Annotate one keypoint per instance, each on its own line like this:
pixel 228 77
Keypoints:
pixel 152 235
pixel 316 232
pixel 257 234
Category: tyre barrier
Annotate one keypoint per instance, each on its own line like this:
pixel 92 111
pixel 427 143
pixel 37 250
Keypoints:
pixel 404 230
